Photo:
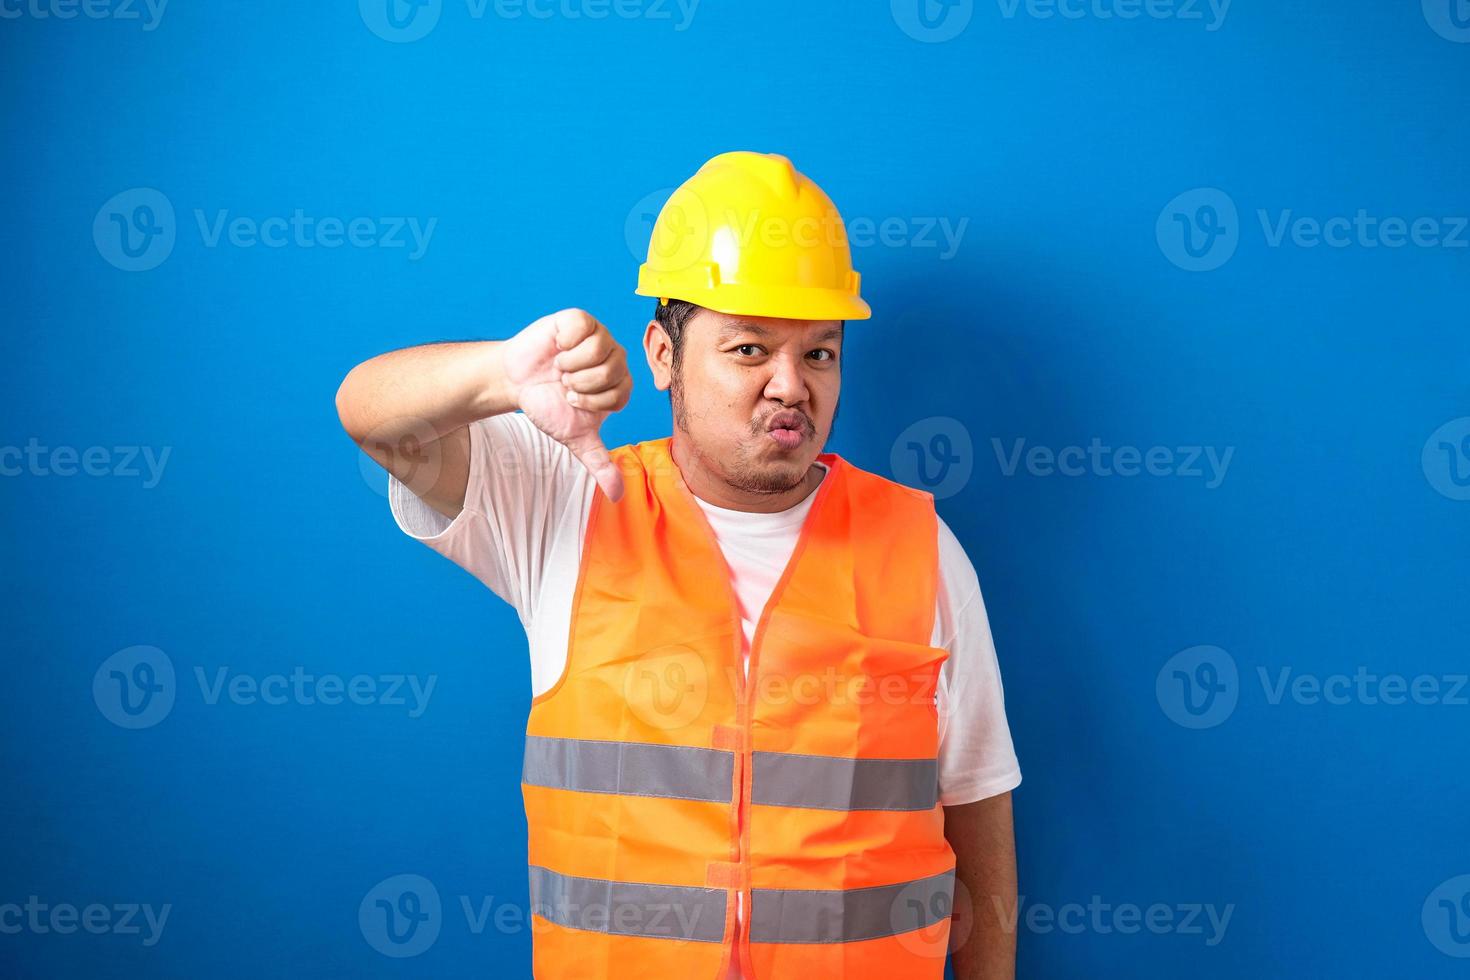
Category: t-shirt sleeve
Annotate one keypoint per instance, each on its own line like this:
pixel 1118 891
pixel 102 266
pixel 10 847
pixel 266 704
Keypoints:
pixel 520 482
pixel 976 757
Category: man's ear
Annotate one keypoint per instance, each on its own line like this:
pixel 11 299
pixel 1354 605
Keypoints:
pixel 660 353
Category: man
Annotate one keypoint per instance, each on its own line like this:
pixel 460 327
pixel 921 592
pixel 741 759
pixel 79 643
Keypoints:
pixel 767 737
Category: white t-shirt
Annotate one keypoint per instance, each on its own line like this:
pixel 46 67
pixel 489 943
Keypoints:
pixel 521 533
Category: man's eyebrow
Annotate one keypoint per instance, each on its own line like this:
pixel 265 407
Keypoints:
pixel 734 328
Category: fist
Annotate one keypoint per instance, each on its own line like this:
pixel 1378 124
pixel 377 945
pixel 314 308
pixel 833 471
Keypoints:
pixel 569 374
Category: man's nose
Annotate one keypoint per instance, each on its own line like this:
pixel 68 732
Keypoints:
pixel 786 383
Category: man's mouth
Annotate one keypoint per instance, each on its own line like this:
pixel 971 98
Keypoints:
pixel 787 429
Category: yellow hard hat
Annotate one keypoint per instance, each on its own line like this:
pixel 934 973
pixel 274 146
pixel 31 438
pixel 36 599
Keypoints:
pixel 751 235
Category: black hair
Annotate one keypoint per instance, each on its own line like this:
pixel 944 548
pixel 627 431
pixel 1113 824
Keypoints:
pixel 674 317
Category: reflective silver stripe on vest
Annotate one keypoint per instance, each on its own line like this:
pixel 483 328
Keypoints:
pixel 832 783
pixel 629 768
pixel 629 908
pixel 792 915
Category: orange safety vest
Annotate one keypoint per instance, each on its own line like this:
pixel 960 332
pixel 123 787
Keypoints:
pixel 659 781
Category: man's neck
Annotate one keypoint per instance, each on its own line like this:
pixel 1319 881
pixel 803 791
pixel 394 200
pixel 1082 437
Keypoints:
pixel 709 487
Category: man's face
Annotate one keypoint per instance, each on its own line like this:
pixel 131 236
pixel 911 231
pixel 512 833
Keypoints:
pixel 755 396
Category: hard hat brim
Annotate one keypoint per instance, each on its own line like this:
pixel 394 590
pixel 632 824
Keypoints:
pixel 786 302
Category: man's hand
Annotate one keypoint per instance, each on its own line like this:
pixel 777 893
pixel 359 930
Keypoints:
pixel 568 374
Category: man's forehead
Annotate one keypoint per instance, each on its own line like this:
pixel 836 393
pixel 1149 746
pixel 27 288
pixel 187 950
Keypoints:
pixel 769 328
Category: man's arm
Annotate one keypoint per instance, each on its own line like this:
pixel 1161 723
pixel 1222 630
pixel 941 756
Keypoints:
pixel 984 842
pixel 409 409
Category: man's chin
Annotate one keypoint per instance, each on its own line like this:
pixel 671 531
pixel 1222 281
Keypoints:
pixel 773 475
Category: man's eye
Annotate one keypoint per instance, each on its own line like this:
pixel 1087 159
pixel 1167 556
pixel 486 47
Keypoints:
pixel 748 347
pixel 823 350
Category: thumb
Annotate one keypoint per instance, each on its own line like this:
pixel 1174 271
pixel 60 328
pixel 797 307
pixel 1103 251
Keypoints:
pixel 588 448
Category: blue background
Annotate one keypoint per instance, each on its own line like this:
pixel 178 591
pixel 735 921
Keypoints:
pixel 1063 317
